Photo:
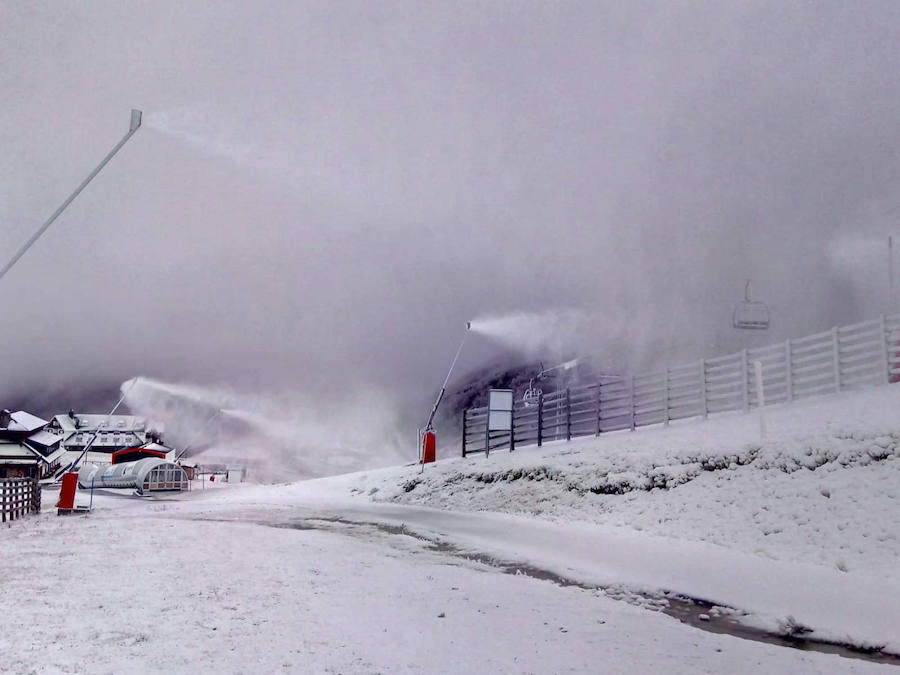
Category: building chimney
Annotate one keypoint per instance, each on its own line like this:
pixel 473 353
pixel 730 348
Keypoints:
pixel 5 418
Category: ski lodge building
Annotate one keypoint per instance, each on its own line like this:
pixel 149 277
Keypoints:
pixel 27 450
pixel 104 433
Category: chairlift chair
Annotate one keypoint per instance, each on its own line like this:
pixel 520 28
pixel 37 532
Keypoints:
pixel 750 314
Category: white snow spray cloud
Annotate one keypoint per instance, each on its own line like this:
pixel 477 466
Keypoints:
pixel 194 126
pixel 262 155
pixel 555 333
pixel 280 436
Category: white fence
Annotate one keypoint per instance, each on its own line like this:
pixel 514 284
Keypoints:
pixel 845 357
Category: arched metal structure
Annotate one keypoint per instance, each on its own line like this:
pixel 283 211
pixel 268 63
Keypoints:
pixel 151 474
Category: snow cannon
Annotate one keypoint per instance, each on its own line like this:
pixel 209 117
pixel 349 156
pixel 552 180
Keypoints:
pixel 429 443
pixel 66 503
pixel 428 439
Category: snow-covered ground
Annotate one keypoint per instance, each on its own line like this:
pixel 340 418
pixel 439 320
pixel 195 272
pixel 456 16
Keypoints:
pixel 386 571
pixel 822 488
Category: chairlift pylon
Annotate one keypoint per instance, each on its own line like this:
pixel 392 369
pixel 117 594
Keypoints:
pixel 750 314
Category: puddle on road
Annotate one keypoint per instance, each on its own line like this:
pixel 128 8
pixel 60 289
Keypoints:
pixel 695 612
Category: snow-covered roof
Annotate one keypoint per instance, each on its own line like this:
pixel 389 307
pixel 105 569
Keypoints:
pixel 23 421
pixel 23 453
pixel 14 451
pixel 105 440
pixel 65 422
pixel 49 458
pixel 106 422
pixel 43 438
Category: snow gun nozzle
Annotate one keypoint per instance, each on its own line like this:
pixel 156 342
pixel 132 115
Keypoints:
pixel 468 325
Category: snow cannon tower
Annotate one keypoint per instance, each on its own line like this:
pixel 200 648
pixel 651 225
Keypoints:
pixel 66 503
pixel 427 453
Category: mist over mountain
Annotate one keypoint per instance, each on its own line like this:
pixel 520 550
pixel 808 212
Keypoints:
pixel 324 193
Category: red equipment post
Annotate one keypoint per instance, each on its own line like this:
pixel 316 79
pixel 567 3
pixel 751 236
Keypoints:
pixel 66 501
pixel 428 447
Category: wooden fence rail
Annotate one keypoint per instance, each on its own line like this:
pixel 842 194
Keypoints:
pixel 845 357
pixel 19 496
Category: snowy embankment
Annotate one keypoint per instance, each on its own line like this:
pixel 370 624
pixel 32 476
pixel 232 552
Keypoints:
pixel 801 527
pixel 823 487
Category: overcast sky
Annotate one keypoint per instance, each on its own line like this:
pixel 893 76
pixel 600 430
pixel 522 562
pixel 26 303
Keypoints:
pixel 324 192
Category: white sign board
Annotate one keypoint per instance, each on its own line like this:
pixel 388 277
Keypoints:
pixel 500 405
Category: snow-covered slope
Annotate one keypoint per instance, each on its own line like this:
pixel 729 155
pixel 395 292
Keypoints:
pixel 794 533
pixel 823 487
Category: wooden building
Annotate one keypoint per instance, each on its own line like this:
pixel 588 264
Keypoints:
pixel 27 449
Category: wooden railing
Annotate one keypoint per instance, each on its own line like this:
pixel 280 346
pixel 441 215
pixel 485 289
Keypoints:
pixel 845 357
pixel 18 497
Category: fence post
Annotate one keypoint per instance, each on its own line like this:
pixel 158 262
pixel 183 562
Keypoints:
pixel 788 371
pixel 36 500
pixel 666 399
pixel 568 416
pixel 540 419
pixel 835 346
pixel 760 398
pixel 487 432
pixel 512 425
pixel 745 380
pixel 632 404
pixel 886 350
pixel 599 401
pixel 703 401
pixel 465 415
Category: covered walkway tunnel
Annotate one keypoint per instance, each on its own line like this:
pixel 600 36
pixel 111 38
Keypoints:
pixel 151 474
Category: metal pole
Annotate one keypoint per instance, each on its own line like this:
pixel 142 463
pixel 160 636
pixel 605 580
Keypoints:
pixel 447 379
pixel 135 125
pixel 421 441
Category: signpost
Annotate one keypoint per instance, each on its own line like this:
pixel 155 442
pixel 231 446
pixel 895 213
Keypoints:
pixel 500 415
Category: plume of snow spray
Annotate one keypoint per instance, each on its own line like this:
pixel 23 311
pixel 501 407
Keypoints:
pixel 554 333
pixel 193 126
pixel 280 436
